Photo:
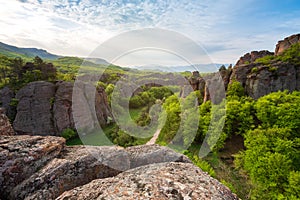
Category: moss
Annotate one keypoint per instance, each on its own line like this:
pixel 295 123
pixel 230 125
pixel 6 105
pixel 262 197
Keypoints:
pixel 254 70
pixel 14 102
pixel 52 100
pixel 272 69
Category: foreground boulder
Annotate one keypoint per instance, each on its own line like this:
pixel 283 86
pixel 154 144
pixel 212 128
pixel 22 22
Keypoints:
pixel 39 167
pixel 74 167
pixel 156 181
pixel 22 156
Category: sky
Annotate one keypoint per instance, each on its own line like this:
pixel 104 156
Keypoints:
pixel 224 29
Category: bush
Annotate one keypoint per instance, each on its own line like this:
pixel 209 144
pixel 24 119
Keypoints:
pixel 205 166
pixel 68 133
pixel 235 88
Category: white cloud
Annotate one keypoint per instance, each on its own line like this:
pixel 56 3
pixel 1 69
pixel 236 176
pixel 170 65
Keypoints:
pixel 72 27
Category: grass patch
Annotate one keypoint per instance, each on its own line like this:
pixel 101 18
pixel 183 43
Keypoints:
pixel 95 139
pixel 135 113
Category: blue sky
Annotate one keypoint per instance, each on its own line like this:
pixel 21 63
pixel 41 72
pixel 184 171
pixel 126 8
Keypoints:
pixel 225 28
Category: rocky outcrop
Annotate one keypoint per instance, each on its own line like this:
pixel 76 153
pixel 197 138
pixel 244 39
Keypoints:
pixel 5 126
pixel 212 86
pixel 286 43
pixel 22 156
pixel 34 111
pixel 158 181
pixel 46 109
pixel 225 74
pixel 266 79
pixel 90 108
pixel 251 57
pixel 42 167
pixel 74 167
pixel 259 79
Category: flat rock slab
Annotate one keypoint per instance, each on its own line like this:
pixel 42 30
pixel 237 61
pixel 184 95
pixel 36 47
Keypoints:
pixel 156 181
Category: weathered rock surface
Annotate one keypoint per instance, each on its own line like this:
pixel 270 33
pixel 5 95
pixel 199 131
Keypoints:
pixel 149 154
pixel 259 79
pixel 281 76
pixel 62 108
pixel 251 57
pixel 90 108
pixel 22 156
pixel 46 109
pixel 156 181
pixel 75 166
pixel 286 43
pixel 34 111
pixel 6 96
pixel 41 167
pixel 5 126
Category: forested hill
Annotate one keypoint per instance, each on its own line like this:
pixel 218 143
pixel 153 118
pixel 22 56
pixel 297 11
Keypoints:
pixel 12 51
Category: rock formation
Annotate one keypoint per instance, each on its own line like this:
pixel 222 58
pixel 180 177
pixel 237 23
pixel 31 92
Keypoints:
pixel 5 126
pixel 286 43
pixel 156 181
pixel 264 80
pixel 46 109
pixel 211 87
pixel 34 111
pixel 42 167
pixel 260 79
pixel 62 108
pixel 251 57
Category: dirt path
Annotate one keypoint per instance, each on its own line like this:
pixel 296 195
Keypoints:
pixel 153 139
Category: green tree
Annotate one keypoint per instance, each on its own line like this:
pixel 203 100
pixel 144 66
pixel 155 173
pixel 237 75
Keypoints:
pixel 235 89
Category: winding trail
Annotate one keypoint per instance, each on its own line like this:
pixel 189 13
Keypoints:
pixel 153 139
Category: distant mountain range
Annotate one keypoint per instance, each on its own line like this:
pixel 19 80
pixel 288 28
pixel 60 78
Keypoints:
pixel 28 53
pixel 13 51
pixel 204 68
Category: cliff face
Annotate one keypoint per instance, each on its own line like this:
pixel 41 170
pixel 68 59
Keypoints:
pixel 286 43
pixel 34 110
pixel 42 167
pixel 46 109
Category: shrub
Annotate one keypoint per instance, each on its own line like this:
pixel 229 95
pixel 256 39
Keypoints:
pixel 68 133
pixel 235 88
pixel 205 166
